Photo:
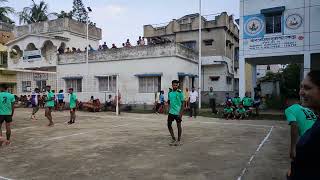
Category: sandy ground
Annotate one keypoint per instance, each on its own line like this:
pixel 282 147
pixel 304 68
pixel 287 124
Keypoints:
pixel 136 146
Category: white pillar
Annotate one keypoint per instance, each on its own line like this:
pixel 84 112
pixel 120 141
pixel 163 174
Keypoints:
pixel 306 63
pixel 242 76
pixel 253 78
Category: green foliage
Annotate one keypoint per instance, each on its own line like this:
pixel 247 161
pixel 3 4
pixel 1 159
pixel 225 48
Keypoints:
pixel 34 13
pixel 79 12
pixel 4 12
pixel 275 102
pixel 64 14
pixel 290 82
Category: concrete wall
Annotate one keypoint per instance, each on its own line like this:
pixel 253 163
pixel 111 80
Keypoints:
pixel 72 40
pixel 220 85
pixel 212 29
pixel 56 26
pixel 128 82
pixel 307 35
pixel 137 52
pixel 28 76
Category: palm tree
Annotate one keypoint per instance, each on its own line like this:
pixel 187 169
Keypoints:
pixel 34 13
pixel 4 11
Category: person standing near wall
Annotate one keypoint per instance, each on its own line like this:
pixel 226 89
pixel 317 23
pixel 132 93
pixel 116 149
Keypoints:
pixel 212 100
pixel 193 102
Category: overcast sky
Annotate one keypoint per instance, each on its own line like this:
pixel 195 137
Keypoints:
pixel 122 19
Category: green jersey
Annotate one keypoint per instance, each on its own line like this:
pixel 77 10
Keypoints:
pixel 304 117
pixel 247 101
pixel 50 99
pixel 6 102
pixel 176 101
pixel 73 100
pixel 228 110
pixel 241 110
pixel 236 101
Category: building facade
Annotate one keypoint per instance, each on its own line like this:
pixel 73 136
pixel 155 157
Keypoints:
pixel 33 53
pixel 142 71
pixel 278 32
pixel 220 46
pixel 6 77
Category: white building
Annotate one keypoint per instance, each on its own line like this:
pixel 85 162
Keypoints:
pixel 142 71
pixel 278 32
pixel 35 48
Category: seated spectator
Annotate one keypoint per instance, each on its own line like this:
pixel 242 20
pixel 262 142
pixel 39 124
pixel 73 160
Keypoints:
pixel 248 103
pixel 78 50
pixel 228 100
pixel 68 50
pixel 60 50
pixel 109 102
pixel 74 50
pixel 100 48
pixel 90 48
pixel 91 99
pixel 142 42
pixel 128 44
pixel 104 46
pixel 228 112
pixel 114 46
pixel 236 100
pixel 240 112
pixel 139 41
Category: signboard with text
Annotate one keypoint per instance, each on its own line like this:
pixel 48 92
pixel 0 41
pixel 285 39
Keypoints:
pixel 40 76
pixel 273 42
pixel 34 55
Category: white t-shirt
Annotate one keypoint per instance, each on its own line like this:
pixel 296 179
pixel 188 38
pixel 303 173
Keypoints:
pixel 193 96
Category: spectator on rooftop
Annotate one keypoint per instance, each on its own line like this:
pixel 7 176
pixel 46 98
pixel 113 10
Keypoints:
pixel 104 46
pixel 114 46
pixel 78 50
pixel 142 42
pixel 90 48
pixel 74 50
pixel 128 44
pixel 60 50
pixel 139 41
pixel 100 48
pixel 68 50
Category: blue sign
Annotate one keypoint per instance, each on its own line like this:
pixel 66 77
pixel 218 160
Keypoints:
pixel 254 26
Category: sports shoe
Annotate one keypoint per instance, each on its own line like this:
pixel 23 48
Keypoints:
pixel 172 143
pixel 178 143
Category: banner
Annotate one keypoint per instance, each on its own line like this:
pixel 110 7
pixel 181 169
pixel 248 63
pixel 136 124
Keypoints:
pixel 282 41
pixel 40 76
pixel 34 55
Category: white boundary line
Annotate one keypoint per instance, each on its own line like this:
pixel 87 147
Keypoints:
pixel 77 134
pixel 4 178
pixel 254 154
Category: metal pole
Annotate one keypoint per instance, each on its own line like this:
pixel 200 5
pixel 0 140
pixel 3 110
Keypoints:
pixel 117 95
pixel 87 55
pixel 200 62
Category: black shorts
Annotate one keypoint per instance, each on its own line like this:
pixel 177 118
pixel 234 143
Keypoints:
pixel 60 101
pixel 6 118
pixel 172 117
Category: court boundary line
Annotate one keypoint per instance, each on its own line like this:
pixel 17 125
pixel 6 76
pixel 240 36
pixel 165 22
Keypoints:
pixel 4 178
pixel 76 134
pixel 245 169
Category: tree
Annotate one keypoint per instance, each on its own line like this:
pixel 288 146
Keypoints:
pixel 4 12
pixel 290 84
pixel 79 12
pixel 64 14
pixel 34 13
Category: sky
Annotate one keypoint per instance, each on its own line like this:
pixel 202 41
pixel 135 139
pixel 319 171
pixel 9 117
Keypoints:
pixel 122 19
